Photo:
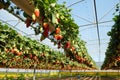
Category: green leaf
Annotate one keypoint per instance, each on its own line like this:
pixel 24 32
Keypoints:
pixel 115 18
pixel 54 20
pixel 25 15
pixel 3 36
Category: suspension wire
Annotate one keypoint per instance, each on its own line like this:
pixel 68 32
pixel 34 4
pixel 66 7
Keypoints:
pixel 95 43
pixel 82 18
pixel 106 13
pixel 14 27
pixel 75 3
pixel 20 18
pixel 16 16
pixel 11 20
pixel 91 28
pixel 96 23
pixel 103 39
pixel 16 24
pixel 96 19
pixel 87 28
pixel 30 34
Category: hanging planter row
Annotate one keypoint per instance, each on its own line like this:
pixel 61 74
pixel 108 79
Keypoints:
pixel 112 59
pixel 55 23
pixel 17 51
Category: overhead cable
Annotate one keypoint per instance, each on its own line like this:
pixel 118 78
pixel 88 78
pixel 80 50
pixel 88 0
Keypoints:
pixel 75 3
pixel 83 18
pixel 95 23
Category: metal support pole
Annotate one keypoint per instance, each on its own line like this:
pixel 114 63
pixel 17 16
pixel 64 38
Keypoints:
pixel 96 19
pixel 34 73
pixel 6 74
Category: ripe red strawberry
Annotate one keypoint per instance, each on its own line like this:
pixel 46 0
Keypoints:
pixel 58 20
pixel 35 58
pixel 58 37
pixel 13 51
pixel 25 57
pixel 59 45
pixel 43 17
pixel 45 25
pixel 42 38
pixel 28 22
pixel 43 54
pixel 57 31
pixel 72 48
pixel 67 45
pixel 19 53
pixel 46 29
pixel 45 33
pixel 37 12
pixel 31 56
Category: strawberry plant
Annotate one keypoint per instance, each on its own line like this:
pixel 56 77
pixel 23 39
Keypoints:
pixel 112 60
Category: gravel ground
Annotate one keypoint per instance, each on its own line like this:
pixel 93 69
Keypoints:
pixel 83 78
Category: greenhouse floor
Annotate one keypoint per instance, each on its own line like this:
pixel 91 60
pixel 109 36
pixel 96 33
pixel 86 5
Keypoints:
pixel 83 78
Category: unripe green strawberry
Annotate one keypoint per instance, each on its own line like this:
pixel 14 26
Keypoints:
pixel 33 17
